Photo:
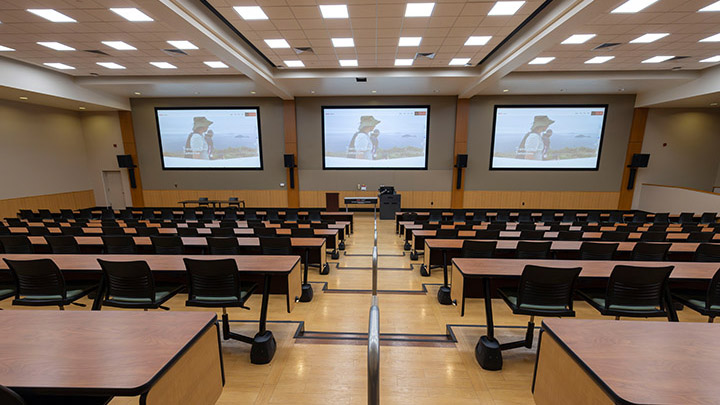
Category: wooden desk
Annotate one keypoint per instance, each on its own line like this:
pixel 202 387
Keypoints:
pixel 167 358
pixel 623 362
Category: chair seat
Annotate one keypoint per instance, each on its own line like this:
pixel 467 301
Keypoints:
pixel 6 292
pixel 696 302
pixel 74 293
pixel 161 296
pixel 212 301
pixel 510 298
pixel 597 300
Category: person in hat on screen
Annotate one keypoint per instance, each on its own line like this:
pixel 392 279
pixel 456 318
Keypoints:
pixel 196 145
pixel 361 145
pixel 536 143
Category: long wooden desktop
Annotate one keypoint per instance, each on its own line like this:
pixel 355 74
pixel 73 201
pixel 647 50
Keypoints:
pixel 166 358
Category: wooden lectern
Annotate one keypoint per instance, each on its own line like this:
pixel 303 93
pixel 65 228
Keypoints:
pixel 332 202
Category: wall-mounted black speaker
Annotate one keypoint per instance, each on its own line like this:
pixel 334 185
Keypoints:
pixel 640 160
pixel 125 161
pixel 289 160
pixel 462 160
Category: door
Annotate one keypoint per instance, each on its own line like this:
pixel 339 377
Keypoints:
pixel 114 190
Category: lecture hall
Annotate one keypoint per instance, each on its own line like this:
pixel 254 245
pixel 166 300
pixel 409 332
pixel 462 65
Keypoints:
pixel 492 202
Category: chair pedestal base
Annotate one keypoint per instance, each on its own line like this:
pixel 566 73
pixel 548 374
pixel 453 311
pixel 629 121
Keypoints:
pixel 443 295
pixel 334 255
pixel 263 348
pixel 406 246
pixel 488 353
pixel 424 271
pixel 307 293
pixel 325 269
pixel 341 246
pixel 413 255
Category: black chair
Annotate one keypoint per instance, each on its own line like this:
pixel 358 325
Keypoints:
pixel 593 217
pixel 27 214
pixel 9 397
pixel 598 251
pixel 126 214
pixel 272 215
pixel 203 201
pixel 64 244
pixel 700 236
pixel 223 232
pixel 301 232
pixel 616 217
pixel 532 235
pixel 217 284
pixel 615 236
pixel 569 217
pixel 4 230
pixel 435 216
pixel 230 214
pixel 188 232
pixel 650 252
pixel 525 226
pixel 132 285
pixel 707 252
pixel 113 230
pixel 479 216
pixel 547 216
pixel 704 302
pixel 661 218
pixel 167 245
pixel 532 250
pixel 446 234
pixel 639 217
pixel 266 231
pixel 691 228
pixel 16 244
pixel 38 231
pixel 208 214
pixel 653 236
pixel 107 214
pixel 119 245
pixel 708 218
pixel 487 234
pixel 502 216
pixel 40 283
pixel 314 215
pixel 478 249
pixel 632 291
pixel 658 228
pixel 189 214
pixel 686 217
pixel 525 216
pixel 276 246
pixel 430 227
pixel 250 215
pixel 570 235
pixel 496 226
pixel 167 214
pixel 223 246
pixel 291 215
pixel 228 224
pixel 459 216
pixel 543 291
pixel 72 231
pixel 147 231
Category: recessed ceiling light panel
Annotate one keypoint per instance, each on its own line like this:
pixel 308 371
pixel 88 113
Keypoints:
pixel 711 59
pixel 409 41
pixel 294 63
pixel 277 43
pixel 658 59
pixel 543 60
pixel 477 40
pixel 648 38
pixel 633 6
pixel 51 15
pixel 714 38
pixel 334 11
pixel 578 39
pixel 182 44
pixel 348 62
pixel 713 7
pixel 459 61
pixel 506 7
pixel 119 45
pixel 163 65
pixel 5 49
pixel 60 66
pixel 131 14
pixel 56 46
pixel 251 13
pixel 403 62
pixel 599 59
pixel 111 65
pixel 216 64
pixel 343 42
pixel 419 9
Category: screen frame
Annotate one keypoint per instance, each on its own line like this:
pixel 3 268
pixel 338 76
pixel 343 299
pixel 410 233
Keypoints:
pixel 348 107
pixel 162 158
pixel 584 169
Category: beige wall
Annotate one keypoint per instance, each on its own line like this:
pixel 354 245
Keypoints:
pixel 675 200
pixel 42 151
pixel 440 160
pixel 478 176
pixel 148 149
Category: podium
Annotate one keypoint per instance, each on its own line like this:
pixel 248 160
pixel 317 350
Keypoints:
pixel 332 202
pixel 389 205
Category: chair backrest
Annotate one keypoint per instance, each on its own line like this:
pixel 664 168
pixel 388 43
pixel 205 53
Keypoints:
pixel 223 232
pixel 147 231
pixel 658 228
pixel 300 232
pixel 569 217
pixel 708 217
pixel 650 252
pixel 496 226
pixel 616 217
pixel 713 292
pixel 189 214
pixel 38 231
pixel 126 214
pixel 107 214
pixel 203 199
pixel 128 279
pixel 547 286
pixel 45 213
pixel 598 251
pixel 593 216
pixel 446 234
pixel 167 245
pixel 525 226
pixel 167 213
pixel 231 214
pixel 37 277
pixel 653 236
pixel 430 226
pixel 9 397
pixel 435 215
pixel 532 235
pixel 686 217
pixel 548 216
pixel 208 213
pixel 639 217
pixel 615 236
pixel 72 230
pixel 570 235
pixel 64 244
pixel 272 215
pixel 223 246
pixel 189 232
pixel 459 216
pixel 228 223
pixel 319 225
pixel 26 214
pixel 637 286
pixel 525 216
pixel 700 236
pixel 707 252
pixel 533 250
pixel 233 199
pixel 478 249
pixel 487 234
pixel 250 214
pixel 212 278
pixel 113 230
pixel 119 245
pixel 276 246
pixel 4 231
pixel 479 216
pixel 502 216
pixel 265 231
pixel 662 218
pixel 16 244
pixel 291 215
pixel 314 215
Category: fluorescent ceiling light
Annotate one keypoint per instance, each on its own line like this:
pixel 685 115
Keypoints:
pixel 277 43
pixel 714 38
pixel 712 59
pixel 119 45
pixel 506 7
pixel 131 14
pixel 163 65
pixel 251 13
pixel 419 9
pixel 647 38
pixel 343 42
pixel 409 41
pixel 56 46
pixel 713 7
pixel 348 62
pixel 5 49
pixel 578 39
pixel 633 6
pixel 111 65
pixel 60 66
pixel 477 40
pixel 182 44
pixel 459 61
pixel 294 63
pixel 657 59
pixel 403 62
pixel 541 60
pixel 216 64
pixel 599 59
pixel 334 11
pixel 51 15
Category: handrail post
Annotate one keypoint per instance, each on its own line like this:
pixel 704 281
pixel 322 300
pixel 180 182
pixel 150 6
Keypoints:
pixel 373 361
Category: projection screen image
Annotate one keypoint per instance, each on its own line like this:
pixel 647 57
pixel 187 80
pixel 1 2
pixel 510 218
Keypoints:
pixel 548 137
pixel 209 138
pixel 375 137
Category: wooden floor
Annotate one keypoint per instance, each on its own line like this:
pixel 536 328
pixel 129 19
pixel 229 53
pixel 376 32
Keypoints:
pixel 333 371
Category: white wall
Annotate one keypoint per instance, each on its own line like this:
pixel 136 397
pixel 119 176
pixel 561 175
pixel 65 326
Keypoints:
pixel 675 200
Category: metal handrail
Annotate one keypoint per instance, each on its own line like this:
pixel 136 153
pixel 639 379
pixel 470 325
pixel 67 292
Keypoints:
pixel 373 360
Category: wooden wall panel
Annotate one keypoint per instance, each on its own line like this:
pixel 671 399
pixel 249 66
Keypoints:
pixel 542 199
pixel 410 199
pixel 289 120
pixel 128 137
pixel 637 133
pixel 53 202
pixel 461 137
pixel 252 198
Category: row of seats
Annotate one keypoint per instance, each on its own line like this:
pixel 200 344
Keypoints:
pixel 169 214
pixel 567 216
pixel 145 231
pixel 615 236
